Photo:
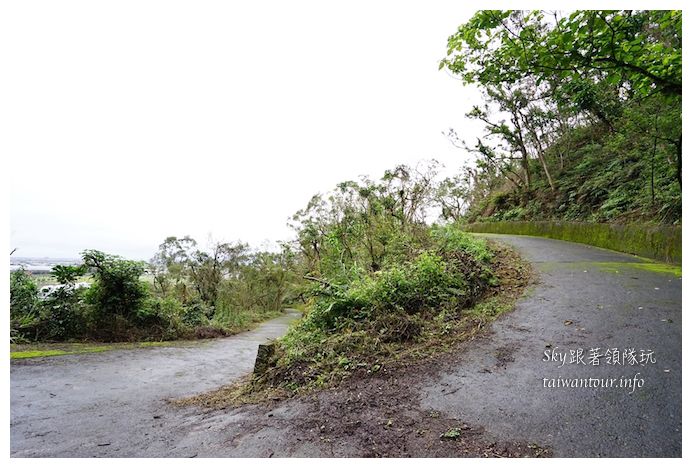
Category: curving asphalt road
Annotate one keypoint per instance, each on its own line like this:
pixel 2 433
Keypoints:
pixel 587 298
pixel 112 404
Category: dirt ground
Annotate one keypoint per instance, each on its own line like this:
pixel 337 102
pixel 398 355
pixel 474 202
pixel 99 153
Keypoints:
pixel 379 416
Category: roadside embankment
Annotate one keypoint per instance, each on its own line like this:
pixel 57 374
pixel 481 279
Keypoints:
pixel 659 242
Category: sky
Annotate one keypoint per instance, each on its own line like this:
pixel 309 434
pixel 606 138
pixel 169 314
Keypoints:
pixel 132 121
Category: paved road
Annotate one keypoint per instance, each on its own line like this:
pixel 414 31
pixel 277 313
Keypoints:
pixel 112 403
pixel 587 298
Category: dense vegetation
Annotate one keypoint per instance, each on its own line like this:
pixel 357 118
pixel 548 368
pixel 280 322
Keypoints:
pixel 366 322
pixel 381 285
pixel 582 112
pixel 185 292
pixel 364 260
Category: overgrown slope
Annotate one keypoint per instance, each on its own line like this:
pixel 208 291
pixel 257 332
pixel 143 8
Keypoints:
pixel 388 319
pixel 582 112
pixel 601 175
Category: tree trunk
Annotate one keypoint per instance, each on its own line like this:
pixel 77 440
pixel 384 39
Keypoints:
pixel 678 148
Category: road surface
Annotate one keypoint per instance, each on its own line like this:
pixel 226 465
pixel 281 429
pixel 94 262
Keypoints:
pixel 587 298
pixel 113 404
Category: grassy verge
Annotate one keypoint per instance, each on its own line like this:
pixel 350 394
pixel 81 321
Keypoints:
pixel 36 350
pixel 629 267
pixel 353 351
pixel 658 242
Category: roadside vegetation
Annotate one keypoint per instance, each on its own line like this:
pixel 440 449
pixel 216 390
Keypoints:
pixel 582 113
pixel 33 350
pixel 382 287
pixel 191 293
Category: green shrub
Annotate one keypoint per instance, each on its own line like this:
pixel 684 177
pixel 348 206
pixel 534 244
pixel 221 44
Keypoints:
pixel 117 297
pixel 162 318
pixel 196 313
pixel 65 314
pixel 25 306
pixel 349 325
pixel 452 238
pixel 454 272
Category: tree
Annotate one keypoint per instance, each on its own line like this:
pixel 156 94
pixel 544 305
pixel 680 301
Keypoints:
pixel 547 74
pixel 364 224
pixel 452 195
pixel 181 259
pixel 207 269
pixel 520 126
pixel 64 315
pixel 638 50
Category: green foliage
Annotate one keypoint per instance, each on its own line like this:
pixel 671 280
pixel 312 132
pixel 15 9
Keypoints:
pixel 366 225
pixel 608 177
pixel 65 314
pixel 25 306
pixel 420 284
pixel 60 315
pixel 195 313
pixel 117 296
pixel 163 319
pixel 451 238
pixel 226 286
pixel 643 48
pixel 181 259
pixel 353 322
pixel 582 112
pixel 68 274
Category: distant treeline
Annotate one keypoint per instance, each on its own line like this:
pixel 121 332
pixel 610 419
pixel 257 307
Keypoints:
pixel 194 293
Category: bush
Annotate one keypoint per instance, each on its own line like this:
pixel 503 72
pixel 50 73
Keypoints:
pixel 355 324
pixel 25 306
pixel 117 296
pixel 452 274
pixel 452 238
pixel 196 313
pixel 65 314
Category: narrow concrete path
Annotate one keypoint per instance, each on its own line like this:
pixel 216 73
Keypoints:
pixel 587 298
pixel 113 403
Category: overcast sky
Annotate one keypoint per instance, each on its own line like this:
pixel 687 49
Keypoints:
pixel 131 121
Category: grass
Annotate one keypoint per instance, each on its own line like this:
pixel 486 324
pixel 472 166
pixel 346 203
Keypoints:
pixel 36 353
pixel 36 350
pixel 617 267
pixel 661 268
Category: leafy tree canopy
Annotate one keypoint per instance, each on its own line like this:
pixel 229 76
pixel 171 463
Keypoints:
pixel 639 51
